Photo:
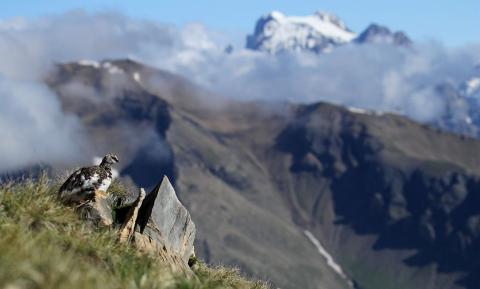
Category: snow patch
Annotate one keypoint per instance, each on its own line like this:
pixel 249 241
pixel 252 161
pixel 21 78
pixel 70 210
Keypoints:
pixel 471 86
pixel 112 69
pixel 86 62
pixel 358 110
pixel 136 77
pixel 330 261
pixel 324 24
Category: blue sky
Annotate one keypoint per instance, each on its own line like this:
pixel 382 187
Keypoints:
pixel 454 23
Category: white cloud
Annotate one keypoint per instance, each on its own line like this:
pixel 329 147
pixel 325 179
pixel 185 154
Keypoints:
pixel 34 129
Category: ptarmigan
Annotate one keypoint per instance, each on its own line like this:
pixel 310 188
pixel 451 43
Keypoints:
pixel 85 182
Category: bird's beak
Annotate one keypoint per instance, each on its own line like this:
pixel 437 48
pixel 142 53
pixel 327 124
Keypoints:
pixel 115 158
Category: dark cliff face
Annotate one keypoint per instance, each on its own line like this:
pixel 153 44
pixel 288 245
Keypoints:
pixel 395 203
pixel 254 41
pixel 431 205
pixel 108 97
pixel 380 34
pixel 104 97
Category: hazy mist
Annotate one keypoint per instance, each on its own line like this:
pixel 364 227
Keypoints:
pixel 34 129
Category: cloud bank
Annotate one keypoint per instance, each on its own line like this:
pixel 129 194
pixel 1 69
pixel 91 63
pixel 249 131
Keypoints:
pixel 377 77
pixel 34 128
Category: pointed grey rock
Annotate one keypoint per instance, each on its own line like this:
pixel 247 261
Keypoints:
pixel 160 225
pixel 163 218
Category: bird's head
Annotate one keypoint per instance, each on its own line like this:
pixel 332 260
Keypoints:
pixel 110 159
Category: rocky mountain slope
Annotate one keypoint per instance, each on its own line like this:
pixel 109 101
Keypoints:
pixel 307 196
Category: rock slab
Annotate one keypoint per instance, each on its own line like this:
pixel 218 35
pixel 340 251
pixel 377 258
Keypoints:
pixel 156 223
pixel 160 225
pixel 169 222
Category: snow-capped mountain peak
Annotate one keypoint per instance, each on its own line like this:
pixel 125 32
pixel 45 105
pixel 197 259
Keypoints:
pixel 320 32
pixel 276 32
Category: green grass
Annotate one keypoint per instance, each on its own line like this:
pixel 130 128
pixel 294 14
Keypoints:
pixel 44 244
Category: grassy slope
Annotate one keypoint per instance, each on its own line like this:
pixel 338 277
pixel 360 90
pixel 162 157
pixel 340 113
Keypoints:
pixel 43 244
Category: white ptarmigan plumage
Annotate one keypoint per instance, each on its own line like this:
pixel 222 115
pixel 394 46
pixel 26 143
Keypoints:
pixel 83 183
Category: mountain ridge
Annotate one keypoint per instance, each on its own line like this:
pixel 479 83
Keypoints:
pixel 281 169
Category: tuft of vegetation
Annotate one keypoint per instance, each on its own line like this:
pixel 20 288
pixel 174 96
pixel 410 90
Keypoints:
pixel 44 244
